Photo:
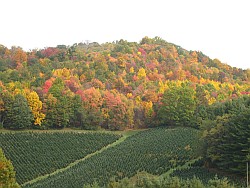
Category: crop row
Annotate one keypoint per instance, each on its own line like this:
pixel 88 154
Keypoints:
pixel 154 151
pixel 36 154
pixel 204 175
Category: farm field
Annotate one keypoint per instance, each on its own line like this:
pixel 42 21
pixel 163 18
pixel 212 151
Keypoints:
pixel 34 154
pixel 72 159
pixel 155 151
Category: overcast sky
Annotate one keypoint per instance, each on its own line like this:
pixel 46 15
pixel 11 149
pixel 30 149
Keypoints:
pixel 218 28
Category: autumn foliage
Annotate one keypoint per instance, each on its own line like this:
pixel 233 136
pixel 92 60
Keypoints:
pixel 115 86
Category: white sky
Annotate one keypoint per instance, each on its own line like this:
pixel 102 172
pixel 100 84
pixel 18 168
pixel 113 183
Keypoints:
pixel 218 28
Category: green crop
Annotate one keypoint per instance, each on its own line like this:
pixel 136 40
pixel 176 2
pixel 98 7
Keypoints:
pixel 37 154
pixel 155 151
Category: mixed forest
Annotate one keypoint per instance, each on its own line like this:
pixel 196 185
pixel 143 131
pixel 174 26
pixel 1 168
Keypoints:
pixel 174 93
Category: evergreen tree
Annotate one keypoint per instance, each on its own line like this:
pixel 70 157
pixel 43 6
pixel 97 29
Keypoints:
pixel 228 143
pixel 18 115
pixel 77 115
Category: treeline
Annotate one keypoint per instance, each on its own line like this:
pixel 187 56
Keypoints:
pixel 114 86
pixel 143 179
pixel 226 132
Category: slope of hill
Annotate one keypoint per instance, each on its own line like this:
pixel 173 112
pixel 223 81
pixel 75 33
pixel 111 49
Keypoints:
pixel 115 85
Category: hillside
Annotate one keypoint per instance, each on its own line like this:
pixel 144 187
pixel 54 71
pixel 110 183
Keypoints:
pixel 122 86
pixel 114 86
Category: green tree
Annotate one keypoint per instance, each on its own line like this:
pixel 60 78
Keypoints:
pixel 57 88
pixel 7 173
pixel 78 113
pixel 2 108
pixel 58 112
pixel 228 143
pixel 58 106
pixel 18 114
pixel 178 105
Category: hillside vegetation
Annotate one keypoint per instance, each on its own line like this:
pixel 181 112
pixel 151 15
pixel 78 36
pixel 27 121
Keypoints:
pixel 115 85
pixel 122 86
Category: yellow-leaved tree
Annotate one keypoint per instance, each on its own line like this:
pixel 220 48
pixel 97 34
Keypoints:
pixel 141 73
pixel 36 107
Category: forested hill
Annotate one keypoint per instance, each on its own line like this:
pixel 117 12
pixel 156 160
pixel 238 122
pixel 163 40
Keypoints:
pixel 112 85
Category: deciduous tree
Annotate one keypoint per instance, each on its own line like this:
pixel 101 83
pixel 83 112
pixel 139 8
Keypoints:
pixel 7 173
pixel 178 105
pixel 36 107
